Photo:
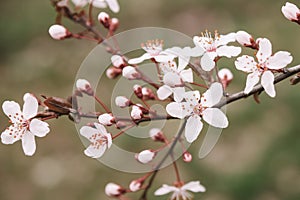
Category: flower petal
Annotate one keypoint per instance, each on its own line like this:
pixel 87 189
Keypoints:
pixel 39 128
pixel 140 59
pixel 163 58
pixel 215 117
pixel 113 5
pixel 267 81
pixel 30 106
pixel 172 79
pixel 164 92
pixel 187 75
pixel 246 64
pixel 194 186
pixel 10 108
pixel 88 131
pixel 252 80
pixel 192 97
pixel 192 128
pixel 264 51
pixel 207 63
pixel 93 152
pixel 225 39
pixel 178 93
pixel 175 110
pixel 279 60
pixel 8 138
pixel 100 128
pixel 165 189
pixel 28 143
pixel 228 51
pixel 213 95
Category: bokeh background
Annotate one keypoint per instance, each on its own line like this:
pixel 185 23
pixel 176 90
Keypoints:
pixel 256 158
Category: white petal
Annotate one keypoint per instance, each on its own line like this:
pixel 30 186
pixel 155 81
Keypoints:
pixel 252 80
pixel 10 108
pixel 140 59
pixel 164 92
pixel 225 39
pixel 279 60
pixel 215 117
pixel 101 129
pixel 213 95
pixel 39 128
pixel 194 186
pixel 175 110
pixel 194 52
pixel 244 38
pixel 245 63
pixel 265 50
pixel 192 128
pixel 30 106
pixel 192 97
pixel 80 3
pixel 113 5
pixel 207 63
pixel 88 131
pixel 228 51
pixel 98 3
pixel 165 189
pixel 163 58
pixel 267 81
pixel 7 138
pixel 93 152
pixel 172 79
pixel 28 143
pixel 178 93
pixel 187 75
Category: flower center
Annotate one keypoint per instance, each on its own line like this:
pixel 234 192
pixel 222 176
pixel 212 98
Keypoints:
pixel 153 47
pixel 19 126
pixel 97 140
pixel 208 42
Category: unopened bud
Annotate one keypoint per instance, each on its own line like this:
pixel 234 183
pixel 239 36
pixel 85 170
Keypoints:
pixel 120 124
pixel 122 101
pixel 84 86
pixel 114 190
pixel 226 76
pixel 113 72
pixel 291 12
pixel 145 156
pixel 130 73
pixel 148 93
pixel 106 119
pixel 245 39
pixel 136 185
pixel 117 61
pixel 104 19
pixel 136 113
pixel 157 135
pixel 114 24
pixel 138 91
pixel 58 32
pixel 187 157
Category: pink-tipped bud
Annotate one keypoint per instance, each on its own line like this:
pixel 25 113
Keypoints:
pixel 138 91
pixel 114 190
pixel 157 135
pixel 145 156
pixel 245 39
pixel 136 185
pixel 130 73
pixel 122 101
pixel 291 12
pixel 84 86
pixel 148 93
pixel 136 113
pixel 106 119
pixel 117 61
pixel 187 157
pixel 113 72
pixel 226 76
pixel 114 24
pixel 120 124
pixel 104 19
pixel 58 32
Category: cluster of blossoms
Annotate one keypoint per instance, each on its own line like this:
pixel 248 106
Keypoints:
pixel 175 72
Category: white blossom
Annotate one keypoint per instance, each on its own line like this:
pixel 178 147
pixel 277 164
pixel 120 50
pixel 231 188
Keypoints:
pixel 291 11
pixel 181 192
pixel 58 32
pixel 136 112
pixel 122 101
pixel 145 156
pixel 84 86
pixel 106 119
pixel 24 126
pixel 135 185
pixel 130 73
pixel 100 140
pixel 196 108
pixel 117 61
pixel 215 47
pixel 266 62
pixel 112 4
pixel 114 190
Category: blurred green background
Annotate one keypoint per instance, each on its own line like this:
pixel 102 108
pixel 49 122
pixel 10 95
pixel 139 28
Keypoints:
pixel 256 158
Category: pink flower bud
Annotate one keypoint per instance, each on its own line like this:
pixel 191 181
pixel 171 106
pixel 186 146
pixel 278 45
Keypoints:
pixel 84 86
pixel 106 119
pixel 136 113
pixel 291 12
pixel 145 156
pixel 138 91
pixel 120 124
pixel 58 32
pixel 104 19
pixel 130 73
pixel 114 190
pixel 122 101
pixel 187 157
pixel 148 93
pixel 136 185
pixel 226 76
pixel 117 61
pixel 157 135
pixel 113 72
pixel 114 24
pixel 244 38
